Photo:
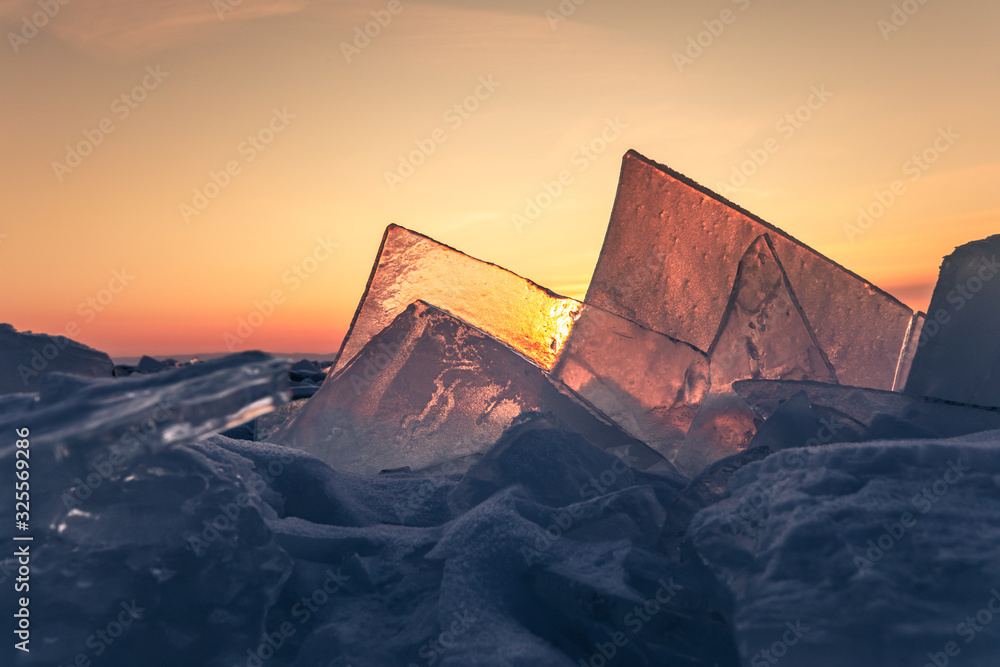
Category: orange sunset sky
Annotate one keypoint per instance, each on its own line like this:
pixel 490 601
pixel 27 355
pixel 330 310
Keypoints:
pixel 116 114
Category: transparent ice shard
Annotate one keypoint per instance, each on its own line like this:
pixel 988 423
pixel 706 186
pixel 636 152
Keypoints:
pixel 87 434
pixel 72 417
pixel 429 389
pixel 647 382
pixel 763 334
pixel 910 345
pixel 25 357
pixel 866 406
pixel 724 426
pixel 671 253
pixel 958 356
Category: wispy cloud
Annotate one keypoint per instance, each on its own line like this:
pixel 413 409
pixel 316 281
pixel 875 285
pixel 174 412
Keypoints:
pixel 117 29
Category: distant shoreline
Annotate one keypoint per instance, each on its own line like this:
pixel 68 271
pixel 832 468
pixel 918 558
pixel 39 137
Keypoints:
pixel 293 356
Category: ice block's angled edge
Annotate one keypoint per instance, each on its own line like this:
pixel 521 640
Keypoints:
pixel 634 154
pixel 398 229
pixel 361 303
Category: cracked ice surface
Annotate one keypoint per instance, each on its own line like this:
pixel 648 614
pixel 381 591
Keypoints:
pixel 648 383
pixel 431 389
pixel 763 335
pixel 671 253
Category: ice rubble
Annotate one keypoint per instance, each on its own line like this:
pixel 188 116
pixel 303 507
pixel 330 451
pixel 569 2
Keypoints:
pixel 115 492
pixel 671 253
pixel 220 552
pixel 650 384
pixel 26 357
pixel 868 407
pixel 429 389
pixel 961 330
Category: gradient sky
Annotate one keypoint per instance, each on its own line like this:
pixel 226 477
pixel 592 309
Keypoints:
pixel 557 84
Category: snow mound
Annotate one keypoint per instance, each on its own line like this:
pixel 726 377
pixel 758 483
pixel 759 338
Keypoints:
pixel 879 553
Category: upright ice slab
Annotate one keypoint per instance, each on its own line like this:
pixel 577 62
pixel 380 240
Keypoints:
pixel 430 389
pixel 647 382
pixel 958 358
pixel 672 251
pixel 763 335
pixel 26 356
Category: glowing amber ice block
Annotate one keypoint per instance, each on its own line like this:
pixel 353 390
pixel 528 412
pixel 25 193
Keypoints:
pixel 430 389
pixel 411 266
pixel 670 257
pixel 645 381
